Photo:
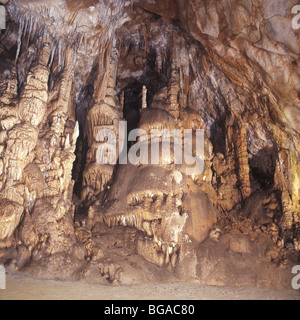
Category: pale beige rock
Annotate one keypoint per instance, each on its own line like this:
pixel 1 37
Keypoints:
pixel 10 215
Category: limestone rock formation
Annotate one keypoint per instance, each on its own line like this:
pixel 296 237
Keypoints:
pixel 81 197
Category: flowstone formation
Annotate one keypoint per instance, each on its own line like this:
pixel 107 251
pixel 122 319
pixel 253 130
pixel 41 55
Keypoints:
pixel 72 70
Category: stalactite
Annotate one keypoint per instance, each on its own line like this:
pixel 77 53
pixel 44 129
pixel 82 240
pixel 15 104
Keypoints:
pixel 145 39
pixel 66 82
pixel 122 100
pixel 101 82
pixel 20 34
pixel 104 114
pixel 60 114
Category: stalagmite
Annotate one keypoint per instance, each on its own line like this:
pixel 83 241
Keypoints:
pixel 21 141
pixel 34 98
pixel 243 163
pixel 289 189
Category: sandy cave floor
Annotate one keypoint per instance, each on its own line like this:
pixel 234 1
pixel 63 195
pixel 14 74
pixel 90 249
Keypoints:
pixel 20 287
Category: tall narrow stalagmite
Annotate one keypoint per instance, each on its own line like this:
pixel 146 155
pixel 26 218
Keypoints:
pixel 243 161
pixel 21 139
pixel 34 98
pixel 288 166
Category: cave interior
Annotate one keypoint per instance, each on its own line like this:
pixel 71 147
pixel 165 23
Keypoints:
pixel 69 69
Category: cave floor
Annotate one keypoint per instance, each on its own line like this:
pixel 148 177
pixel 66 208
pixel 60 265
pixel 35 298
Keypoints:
pixel 20 287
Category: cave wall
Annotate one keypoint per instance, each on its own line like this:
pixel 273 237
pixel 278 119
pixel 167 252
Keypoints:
pixel 69 69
